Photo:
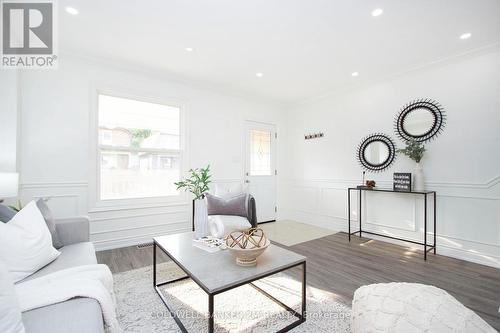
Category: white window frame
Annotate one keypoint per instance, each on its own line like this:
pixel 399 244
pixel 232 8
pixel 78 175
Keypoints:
pixel 96 204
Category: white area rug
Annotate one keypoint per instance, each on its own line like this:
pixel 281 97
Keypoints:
pixel 291 233
pixel 243 309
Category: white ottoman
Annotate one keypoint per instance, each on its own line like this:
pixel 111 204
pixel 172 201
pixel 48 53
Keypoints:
pixel 411 307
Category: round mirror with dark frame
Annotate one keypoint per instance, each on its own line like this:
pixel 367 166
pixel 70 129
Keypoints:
pixel 421 120
pixel 376 152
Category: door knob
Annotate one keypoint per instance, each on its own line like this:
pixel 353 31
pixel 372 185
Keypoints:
pixel 247 181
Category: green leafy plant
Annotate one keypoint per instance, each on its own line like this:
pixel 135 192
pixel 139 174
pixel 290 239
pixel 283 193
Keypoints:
pixel 197 182
pixel 414 150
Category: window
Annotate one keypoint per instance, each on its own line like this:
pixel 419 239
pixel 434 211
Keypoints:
pixel 139 151
pixel 260 153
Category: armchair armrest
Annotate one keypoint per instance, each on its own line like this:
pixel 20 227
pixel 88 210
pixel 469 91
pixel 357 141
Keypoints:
pixel 73 230
pixel 252 211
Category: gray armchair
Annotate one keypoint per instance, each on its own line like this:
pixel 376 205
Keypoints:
pixel 251 212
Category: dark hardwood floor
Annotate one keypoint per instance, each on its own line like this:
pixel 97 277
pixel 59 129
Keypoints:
pixel 341 267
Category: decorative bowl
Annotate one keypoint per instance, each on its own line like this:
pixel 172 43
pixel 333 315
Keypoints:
pixel 246 246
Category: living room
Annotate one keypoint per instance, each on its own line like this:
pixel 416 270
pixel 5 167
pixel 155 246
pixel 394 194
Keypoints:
pixel 356 138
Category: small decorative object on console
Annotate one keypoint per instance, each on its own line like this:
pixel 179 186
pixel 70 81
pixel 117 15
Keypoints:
pixel 415 151
pixel 370 183
pixel 401 181
pixel 247 245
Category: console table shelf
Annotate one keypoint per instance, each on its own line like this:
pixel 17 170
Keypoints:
pixel 425 194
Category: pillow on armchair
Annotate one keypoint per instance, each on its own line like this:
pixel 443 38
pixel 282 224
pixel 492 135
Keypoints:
pixel 236 205
pixel 227 214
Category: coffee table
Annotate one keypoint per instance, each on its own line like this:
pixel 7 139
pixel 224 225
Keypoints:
pixel 217 272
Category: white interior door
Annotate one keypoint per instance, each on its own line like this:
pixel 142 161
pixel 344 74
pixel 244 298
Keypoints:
pixel 260 168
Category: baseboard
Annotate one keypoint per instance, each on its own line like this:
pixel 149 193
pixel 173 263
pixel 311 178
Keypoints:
pixel 130 241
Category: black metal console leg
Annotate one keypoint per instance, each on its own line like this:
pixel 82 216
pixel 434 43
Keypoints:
pixel 210 313
pixel 425 227
pixel 349 213
pixel 359 213
pixel 434 222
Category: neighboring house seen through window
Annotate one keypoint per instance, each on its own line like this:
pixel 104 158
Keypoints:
pixel 139 148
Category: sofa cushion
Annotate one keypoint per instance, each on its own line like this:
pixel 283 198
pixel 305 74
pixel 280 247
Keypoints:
pixel 49 220
pixel 26 243
pixel 6 213
pixel 78 315
pixel 71 256
pixel 10 312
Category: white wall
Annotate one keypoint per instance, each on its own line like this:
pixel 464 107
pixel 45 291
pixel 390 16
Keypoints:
pixel 8 120
pixel 55 143
pixel 462 165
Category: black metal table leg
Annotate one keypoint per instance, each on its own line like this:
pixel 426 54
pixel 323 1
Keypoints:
pixel 304 285
pixel 349 213
pixel 425 226
pixel 210 313
pixel 154 264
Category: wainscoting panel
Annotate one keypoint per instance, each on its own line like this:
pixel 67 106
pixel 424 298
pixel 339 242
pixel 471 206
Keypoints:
pixel 401 214
pixel 468 224
pixel 115 226
pixel 332 202
pixel 64 199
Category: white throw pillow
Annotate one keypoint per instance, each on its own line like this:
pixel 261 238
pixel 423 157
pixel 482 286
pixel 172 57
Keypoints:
pixel 25 243
pixel 230 223
pixel 10 311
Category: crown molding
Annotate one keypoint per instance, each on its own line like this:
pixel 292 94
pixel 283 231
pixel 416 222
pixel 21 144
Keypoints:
pixel 162 74
pixel 456 58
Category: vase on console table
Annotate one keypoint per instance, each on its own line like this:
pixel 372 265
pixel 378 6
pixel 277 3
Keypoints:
pixel 200 218
pixel 418 178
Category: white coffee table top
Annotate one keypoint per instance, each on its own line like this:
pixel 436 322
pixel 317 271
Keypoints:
pixel 217 271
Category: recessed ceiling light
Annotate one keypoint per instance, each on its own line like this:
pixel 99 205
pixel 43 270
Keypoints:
pixel 259 74
pixel 377 12
pixel 72 10
pixel 466 35
pixel 354 74
pixel 189 49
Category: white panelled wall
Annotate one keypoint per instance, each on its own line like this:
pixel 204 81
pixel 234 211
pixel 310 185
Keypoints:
pixel 8 120
pixel 462 164
pixel 56 149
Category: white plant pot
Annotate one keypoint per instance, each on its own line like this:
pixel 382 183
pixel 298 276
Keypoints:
pixel 200 218
pixel 418 178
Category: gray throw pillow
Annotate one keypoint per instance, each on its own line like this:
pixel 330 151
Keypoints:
pixel 6 213
pixel 236 205
pixel 10 311
pixel 49 220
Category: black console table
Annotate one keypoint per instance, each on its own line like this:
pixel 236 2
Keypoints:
pixel 426 246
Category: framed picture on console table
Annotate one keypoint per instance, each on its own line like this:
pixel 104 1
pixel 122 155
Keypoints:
pixel 402 181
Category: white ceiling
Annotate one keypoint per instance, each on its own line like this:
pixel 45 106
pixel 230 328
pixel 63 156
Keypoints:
pixel 304 48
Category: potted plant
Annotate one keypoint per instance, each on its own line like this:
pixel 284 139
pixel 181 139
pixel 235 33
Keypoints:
pixel 197 183
pixel 415 151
